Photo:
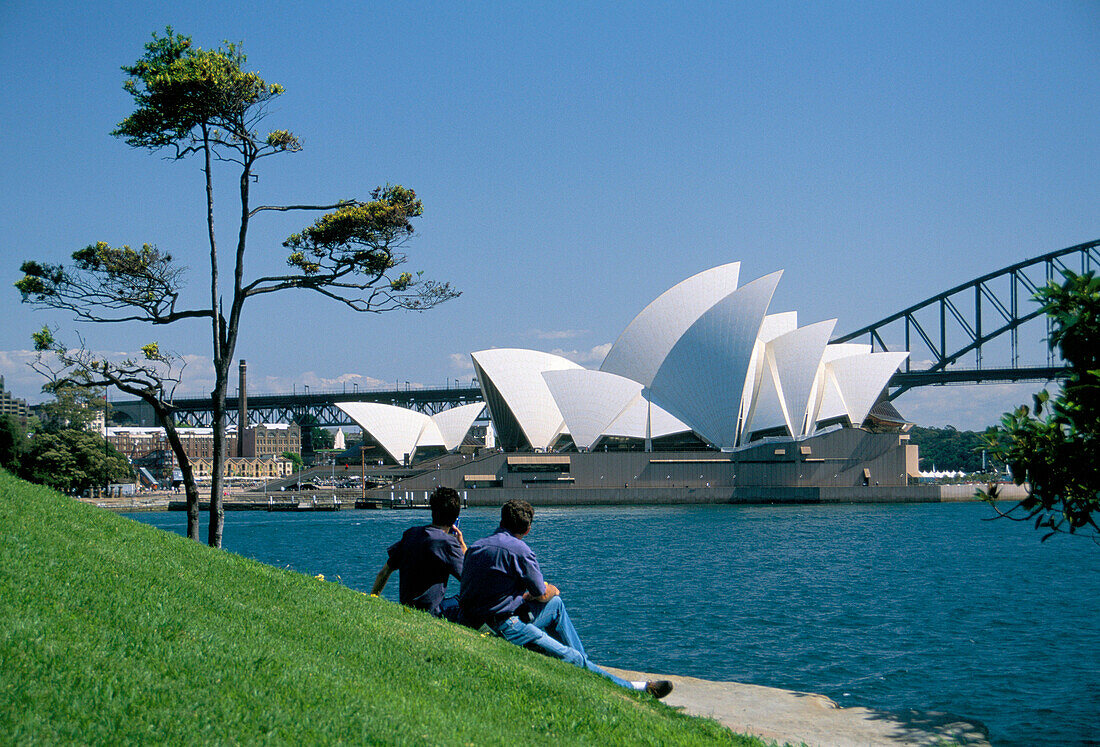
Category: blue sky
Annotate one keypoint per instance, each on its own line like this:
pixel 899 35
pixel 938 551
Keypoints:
pixel 575 160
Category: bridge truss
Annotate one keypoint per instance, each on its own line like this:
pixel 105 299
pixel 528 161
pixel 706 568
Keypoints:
pixel 949 334
pixel 320 407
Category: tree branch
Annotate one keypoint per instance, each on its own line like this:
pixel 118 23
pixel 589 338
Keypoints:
pixel 284 208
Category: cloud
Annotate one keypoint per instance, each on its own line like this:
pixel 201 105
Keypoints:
pixel 26 383
pixel 342 382
pixel 19 378
pixel 591 357
pixel 461 362
pixel 558 334
pixel 973 408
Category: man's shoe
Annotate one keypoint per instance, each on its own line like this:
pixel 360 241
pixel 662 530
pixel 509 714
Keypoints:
pixel 658 688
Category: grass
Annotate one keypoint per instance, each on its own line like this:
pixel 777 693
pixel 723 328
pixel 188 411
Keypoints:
pixel 114 632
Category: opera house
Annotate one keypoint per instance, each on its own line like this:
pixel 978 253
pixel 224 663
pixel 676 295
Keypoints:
pixel 704 391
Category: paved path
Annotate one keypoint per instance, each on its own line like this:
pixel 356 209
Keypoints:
pixel 797 718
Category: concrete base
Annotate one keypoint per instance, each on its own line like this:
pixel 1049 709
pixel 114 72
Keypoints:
pixel 805 718
pixel 681 496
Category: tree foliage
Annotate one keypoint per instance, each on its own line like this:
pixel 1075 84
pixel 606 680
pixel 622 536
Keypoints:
pixel 295 459
pixel 204 103
pixel 951 449
pixel 106 283
pixel 72 460
pixel 74 406
pixel 13 442
pixel 1053 446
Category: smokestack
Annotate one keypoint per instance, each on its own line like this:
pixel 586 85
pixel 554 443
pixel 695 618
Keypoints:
pixel 242 410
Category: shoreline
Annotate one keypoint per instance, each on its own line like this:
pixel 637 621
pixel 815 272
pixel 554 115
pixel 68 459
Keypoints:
pixel 321 500
pixel 792 717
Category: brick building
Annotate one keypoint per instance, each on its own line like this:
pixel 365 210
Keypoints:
pixel 262 441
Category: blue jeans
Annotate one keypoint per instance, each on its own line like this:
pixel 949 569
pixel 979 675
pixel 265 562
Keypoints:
pixel 448 609
pixel 552 633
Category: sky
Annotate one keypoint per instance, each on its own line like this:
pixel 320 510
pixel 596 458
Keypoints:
pixel 575 160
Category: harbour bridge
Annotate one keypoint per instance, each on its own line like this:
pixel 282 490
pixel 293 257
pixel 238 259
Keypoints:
pixel 972 333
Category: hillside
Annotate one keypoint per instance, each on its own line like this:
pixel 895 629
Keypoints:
pixel 949 449
pixel 113 631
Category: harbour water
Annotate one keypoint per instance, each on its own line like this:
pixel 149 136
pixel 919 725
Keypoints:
pixel 925 606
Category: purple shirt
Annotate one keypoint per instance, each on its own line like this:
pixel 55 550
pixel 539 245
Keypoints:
pixel 426 556
pixel 497 571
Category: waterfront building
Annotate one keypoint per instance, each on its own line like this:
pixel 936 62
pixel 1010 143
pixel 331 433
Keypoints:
pixel 269 440
pixel 246 467
pixel 262 441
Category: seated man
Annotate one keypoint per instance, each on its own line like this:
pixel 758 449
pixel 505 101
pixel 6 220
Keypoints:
pixel 426 556
pixel 502 587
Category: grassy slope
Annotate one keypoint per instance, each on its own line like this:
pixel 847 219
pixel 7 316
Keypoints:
pixel 115 631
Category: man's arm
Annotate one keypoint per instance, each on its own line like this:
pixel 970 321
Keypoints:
pixel 551 592
pixel 381 579
pixel 457 551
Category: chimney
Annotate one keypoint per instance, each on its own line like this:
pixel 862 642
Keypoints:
pixel 242 411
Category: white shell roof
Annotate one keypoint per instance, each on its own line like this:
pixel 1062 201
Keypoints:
pixel 827 403
pixel 590 401
pixel 702 378
pixel 454 423
pixel 775 325
pixel 647 340
pixel 397 430
pixel 792 356
pixel 861 379
pixel 517 375
pixel 631 424
pixel 760 401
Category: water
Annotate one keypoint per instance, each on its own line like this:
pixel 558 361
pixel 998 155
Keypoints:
pixel 921 606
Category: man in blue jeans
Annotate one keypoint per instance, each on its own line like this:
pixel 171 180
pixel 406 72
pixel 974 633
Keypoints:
pixel 502 587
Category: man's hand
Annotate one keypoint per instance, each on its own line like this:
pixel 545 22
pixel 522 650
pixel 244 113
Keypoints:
pixel 461 540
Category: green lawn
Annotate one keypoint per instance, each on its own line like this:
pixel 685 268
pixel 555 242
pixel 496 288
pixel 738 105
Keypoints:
pixel 112 631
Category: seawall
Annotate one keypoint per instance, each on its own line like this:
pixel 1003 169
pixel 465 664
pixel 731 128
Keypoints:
pixel 672 496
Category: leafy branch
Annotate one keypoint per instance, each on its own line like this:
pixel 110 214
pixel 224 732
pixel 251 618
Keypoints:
pixel 1052 447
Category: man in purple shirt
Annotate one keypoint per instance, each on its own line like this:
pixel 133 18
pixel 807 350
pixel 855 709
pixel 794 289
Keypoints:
pixel 502 587
pixel 426 556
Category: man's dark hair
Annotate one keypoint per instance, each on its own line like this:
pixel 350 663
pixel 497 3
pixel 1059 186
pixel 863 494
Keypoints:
pixel 445 506
pixel 516 516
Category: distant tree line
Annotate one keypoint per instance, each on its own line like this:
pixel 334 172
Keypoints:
pixel 951 449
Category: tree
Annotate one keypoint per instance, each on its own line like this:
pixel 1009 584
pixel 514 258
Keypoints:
pixel 314 437
pixel 75 407
pixel 295 459
pixel 13 442
pixel 72 461
pixel 951 449
pixel 153 379
pixel 1053 446
pixel 322 438
pixel 195 102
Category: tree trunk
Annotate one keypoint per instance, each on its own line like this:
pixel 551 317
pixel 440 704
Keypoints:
pixel 217 472
pixel 189 486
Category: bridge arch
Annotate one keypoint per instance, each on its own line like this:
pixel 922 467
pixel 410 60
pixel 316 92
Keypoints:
pixel 947 335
